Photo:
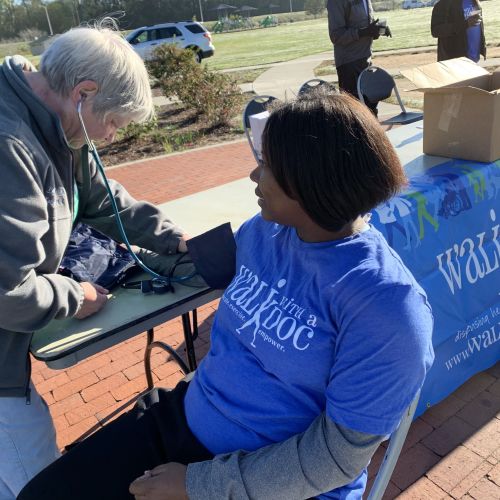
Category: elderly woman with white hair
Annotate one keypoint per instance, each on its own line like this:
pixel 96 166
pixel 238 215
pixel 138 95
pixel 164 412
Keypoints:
pixel 48 183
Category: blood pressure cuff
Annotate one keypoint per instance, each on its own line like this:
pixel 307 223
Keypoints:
pixel 94 257
pixel 176 268
pixel 214 255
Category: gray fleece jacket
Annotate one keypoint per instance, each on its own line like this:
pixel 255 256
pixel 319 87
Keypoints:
pixel 36 216
pixel 345 17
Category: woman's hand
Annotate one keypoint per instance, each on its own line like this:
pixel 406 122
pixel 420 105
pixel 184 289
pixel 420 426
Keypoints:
pixel 165 482
pixel 474 20
pixel 94 299
pixel 182 247
pixel 26 65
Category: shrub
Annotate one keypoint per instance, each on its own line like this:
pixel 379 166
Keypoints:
pixel 214 96
pixel 30 34
pixel 170 63
pixel 314 7
pixel 136 130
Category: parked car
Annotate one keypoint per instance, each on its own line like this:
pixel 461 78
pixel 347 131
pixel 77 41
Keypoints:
pixel 414 4
pixel 186 35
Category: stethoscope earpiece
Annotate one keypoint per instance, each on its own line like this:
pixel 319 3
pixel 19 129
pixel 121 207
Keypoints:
pixel 90 144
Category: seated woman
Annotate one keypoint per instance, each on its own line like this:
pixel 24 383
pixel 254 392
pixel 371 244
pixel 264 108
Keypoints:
pixel 319 344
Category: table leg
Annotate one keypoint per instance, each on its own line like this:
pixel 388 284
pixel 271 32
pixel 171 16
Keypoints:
pixel 150 343
pixel 147 357
pixel 188 338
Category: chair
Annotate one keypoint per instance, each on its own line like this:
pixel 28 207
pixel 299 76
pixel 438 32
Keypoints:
pixel 256 105
pixel 375 84
pixel 391 456
pixel 315 83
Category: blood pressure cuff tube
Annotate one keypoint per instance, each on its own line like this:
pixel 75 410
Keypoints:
pixel 214 255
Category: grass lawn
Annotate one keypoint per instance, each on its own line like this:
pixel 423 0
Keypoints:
pixel 410 28
pixel 10 48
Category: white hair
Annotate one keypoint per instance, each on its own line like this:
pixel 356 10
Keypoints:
pixel 102 55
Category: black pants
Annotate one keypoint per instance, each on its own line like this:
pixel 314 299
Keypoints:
pixel 154 432
pixel 348 79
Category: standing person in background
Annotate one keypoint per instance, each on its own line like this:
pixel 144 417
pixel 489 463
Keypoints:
pixel 458 26
pixel 352 29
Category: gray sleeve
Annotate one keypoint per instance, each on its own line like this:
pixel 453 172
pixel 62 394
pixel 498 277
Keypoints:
pixel 340 33
pixel 28 301
pixel 145 225
pixel 324 457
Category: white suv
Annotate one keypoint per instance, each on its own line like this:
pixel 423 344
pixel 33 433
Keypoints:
pixel 186 35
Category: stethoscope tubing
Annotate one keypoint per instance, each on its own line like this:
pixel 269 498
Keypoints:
pixel 121 229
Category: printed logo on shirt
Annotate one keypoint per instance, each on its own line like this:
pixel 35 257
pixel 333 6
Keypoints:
pixel 267 314
pixel 56 197
pixel 470 10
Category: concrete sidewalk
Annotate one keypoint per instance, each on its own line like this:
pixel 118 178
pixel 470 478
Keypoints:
pixel 284 79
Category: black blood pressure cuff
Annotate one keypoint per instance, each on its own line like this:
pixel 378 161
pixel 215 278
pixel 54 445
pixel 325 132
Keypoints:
pixel 214 255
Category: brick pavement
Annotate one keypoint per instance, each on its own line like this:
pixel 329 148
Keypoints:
pixel 167 178
pixel 452 451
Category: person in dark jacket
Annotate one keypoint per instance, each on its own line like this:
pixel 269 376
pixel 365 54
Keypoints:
pixel 458 26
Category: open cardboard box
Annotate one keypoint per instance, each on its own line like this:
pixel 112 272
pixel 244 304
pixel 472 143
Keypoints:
pixel 461 109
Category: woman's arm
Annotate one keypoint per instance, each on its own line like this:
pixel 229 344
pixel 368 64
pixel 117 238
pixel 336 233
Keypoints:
pixel 29 299
pixel 324 457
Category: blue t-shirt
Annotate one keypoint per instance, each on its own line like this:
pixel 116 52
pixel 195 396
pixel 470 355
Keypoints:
pixel 303 328
pixel 473 32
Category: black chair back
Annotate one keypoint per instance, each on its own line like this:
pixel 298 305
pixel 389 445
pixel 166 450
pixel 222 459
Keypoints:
pixel 375 84
pixel 256 105
pixel 315 83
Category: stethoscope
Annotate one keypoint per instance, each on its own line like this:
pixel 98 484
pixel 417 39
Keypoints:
pixel 158 283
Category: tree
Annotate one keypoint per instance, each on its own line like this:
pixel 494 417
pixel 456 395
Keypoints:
pixel 7 19
pixel 314 7
pixel 21 15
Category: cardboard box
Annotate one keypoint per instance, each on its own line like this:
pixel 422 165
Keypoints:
pixel 257 124
pixel 461 109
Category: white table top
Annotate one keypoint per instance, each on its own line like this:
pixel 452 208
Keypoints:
pixel 129 312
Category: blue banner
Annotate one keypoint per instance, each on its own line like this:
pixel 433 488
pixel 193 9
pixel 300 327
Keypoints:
pixel 446 228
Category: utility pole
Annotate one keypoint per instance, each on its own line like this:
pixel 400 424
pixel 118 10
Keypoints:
pixel 291 6
pixel 48 19
pixel 75 6
pixel 201 11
